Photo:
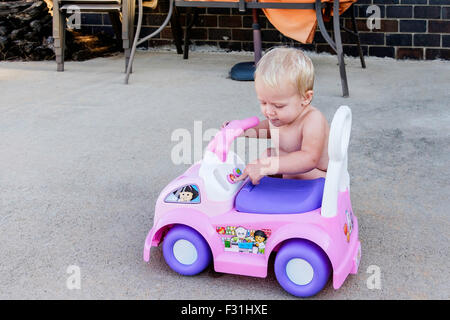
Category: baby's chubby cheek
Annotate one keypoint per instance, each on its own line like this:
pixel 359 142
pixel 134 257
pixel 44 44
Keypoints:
pixel 264 111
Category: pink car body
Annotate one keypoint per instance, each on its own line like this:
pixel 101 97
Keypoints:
pixel 333 226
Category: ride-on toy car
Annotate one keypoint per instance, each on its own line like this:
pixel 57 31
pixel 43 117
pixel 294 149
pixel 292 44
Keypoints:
pixel 204 216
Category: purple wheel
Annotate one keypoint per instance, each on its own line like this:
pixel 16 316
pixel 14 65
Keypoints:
pixel 185 250
pixel 302 268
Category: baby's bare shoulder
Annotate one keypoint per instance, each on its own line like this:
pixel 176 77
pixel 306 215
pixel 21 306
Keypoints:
pixel 314 118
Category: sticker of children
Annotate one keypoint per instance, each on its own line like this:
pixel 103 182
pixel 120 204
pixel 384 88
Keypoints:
pixel 243 240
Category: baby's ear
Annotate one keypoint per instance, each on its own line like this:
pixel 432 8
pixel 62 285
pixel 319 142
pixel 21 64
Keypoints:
pixel 308 96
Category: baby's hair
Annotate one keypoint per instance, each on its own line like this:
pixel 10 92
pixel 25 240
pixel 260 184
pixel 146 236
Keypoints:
pixel 260 233
pixel 283 63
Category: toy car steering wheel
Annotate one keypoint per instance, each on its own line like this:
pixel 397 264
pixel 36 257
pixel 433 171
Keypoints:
pixel 223 139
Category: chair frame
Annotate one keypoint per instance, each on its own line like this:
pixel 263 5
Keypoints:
pixel 242 5
pixel 125 33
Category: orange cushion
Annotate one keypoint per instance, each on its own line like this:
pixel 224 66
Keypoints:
pixel 298 24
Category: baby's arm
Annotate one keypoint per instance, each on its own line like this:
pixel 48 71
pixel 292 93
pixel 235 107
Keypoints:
pixel 314 134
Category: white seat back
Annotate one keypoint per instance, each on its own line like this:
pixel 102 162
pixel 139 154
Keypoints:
pixel 337 179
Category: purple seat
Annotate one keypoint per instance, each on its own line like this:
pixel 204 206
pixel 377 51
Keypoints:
pixel 274 195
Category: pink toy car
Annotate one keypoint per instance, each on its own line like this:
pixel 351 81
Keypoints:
pixel 309 225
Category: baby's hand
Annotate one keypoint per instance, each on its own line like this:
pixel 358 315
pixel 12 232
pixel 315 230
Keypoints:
pixel 256 170
pixel 253 171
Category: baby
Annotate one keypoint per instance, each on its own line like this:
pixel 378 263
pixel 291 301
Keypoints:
pixel 284 80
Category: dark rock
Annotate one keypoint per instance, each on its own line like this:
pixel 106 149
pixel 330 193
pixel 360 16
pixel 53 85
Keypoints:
pixel 26 33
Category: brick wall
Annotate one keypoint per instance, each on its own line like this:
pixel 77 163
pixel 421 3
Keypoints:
pixel 415 29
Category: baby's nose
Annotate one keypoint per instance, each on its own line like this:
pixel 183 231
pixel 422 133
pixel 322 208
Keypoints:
pixel 271 112
pixel 270 109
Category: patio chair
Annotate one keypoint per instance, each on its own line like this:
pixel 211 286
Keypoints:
pixel 172 16
pixel 121 13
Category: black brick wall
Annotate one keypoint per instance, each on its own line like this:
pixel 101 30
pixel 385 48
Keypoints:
pixel 413 29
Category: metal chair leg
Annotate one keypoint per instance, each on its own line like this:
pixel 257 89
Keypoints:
pixel 128 14
pixel 114 17
pixel 132 15
pixel 176 30
pixel 59 33
pixel 358 41
pixel 127 54
pixel 126 41
pixel 322 28
pixel 190 21
pixel 335 44
pixel 339 49
pixel 137 41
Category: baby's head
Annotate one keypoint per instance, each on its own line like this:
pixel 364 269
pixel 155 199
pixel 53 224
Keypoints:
pixel 284 80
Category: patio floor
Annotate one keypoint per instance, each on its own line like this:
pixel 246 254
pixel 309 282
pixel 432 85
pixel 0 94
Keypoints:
pixel 84 157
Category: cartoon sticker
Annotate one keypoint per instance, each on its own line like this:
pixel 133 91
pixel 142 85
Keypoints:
pixel 186 194
pixel 260 240
pixel 220 230
pixel 241 239
pixel 348 227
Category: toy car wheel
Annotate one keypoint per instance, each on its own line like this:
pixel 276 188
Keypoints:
pixel 302 268
pixel 186 251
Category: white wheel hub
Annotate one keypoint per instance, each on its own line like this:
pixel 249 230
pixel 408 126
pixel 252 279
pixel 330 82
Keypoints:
pixel 299 271
pixel 185 252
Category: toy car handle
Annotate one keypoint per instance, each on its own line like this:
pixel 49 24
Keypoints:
pixel 223 139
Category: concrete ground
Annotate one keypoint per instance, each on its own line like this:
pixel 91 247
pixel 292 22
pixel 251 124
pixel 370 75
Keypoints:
pixel 84 157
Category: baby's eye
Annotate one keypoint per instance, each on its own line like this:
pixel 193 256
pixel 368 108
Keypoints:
pixel 279 106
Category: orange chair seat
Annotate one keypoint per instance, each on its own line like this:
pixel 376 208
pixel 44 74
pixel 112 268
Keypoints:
pixel 298 24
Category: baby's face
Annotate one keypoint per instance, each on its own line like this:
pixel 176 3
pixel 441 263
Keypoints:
pixel 281 105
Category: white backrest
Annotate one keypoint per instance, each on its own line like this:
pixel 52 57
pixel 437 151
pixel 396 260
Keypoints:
pixel 337 179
